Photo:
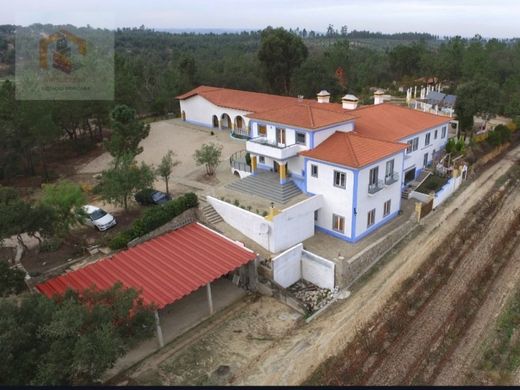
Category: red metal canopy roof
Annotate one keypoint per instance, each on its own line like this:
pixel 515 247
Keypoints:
pixel 165 268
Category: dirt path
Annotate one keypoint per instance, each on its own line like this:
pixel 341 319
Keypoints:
pixel 292 359
pixel 418 352
pixel 468 351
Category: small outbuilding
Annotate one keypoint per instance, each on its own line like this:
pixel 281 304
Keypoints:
pixel 166 268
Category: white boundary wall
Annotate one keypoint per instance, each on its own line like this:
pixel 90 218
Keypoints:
pixel 296 263
pixel 318 270
pixel 292 226
pixel 444 193
pixel 287 268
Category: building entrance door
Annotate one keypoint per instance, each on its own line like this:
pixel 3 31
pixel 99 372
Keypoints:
pixel 409 176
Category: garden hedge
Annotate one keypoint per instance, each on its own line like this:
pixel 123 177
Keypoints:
pixel 153 218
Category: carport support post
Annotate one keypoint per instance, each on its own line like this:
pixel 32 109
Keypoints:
pixel 210 298
pixel 159 330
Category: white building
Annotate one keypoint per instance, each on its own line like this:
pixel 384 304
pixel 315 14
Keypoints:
pixel 357 159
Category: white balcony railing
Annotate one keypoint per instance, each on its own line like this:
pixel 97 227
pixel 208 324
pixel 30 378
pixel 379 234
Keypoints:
pixel 262 146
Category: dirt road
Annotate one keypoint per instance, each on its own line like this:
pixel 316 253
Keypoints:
pixel 469 350
pixel 289 361
pixel 423 348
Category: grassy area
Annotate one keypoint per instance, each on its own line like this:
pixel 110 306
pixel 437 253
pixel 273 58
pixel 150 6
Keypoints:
pixel 432 183
pixel 501 358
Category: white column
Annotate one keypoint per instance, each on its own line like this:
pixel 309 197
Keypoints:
pixel 210 298
pixel 159 330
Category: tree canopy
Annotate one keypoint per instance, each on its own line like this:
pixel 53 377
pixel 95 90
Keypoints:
pixel 122 180
pixel 71 339
pixel 209 155
pixel 127 133
pixel 280 54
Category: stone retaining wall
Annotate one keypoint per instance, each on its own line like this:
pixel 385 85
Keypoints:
pixel 349 270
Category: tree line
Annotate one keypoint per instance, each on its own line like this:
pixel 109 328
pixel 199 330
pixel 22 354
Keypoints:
pixel 153 67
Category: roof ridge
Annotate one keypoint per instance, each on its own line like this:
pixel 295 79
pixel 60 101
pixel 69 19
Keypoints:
pixel 349 144
pixel 355 133
pixel 311 116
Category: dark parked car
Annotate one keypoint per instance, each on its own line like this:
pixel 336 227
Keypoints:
pixel 151 196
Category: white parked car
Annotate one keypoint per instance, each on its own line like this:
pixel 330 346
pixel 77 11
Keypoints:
pixel 99 218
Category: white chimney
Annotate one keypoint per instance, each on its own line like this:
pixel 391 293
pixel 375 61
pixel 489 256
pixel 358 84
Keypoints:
pixel 378 96
pixel 323 97
pixel 349 102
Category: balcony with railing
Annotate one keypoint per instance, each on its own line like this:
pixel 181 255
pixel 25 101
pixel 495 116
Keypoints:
pixel 264 147
pixel 391 179
pixel 375 187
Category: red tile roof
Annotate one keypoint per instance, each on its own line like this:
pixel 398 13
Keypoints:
pixel 165 268
pixel 286 110
pixel 240 100
pixel 353 150
pixel 392 123
pixel 307 115
pixel 383 121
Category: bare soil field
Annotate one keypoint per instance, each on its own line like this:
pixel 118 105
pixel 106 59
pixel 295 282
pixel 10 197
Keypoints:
pixel 215 356
pixel 292 359
pixel 416 335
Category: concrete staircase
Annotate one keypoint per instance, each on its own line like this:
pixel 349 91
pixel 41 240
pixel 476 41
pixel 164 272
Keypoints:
pixel 405 193
pixel 211 216
pixel 266 185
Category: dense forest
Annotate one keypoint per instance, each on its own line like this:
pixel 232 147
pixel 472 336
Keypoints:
pixel 152 67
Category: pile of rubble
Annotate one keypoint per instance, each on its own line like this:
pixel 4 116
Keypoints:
pixel 312 296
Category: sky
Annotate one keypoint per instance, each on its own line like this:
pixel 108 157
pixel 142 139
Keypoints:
pixel 489 18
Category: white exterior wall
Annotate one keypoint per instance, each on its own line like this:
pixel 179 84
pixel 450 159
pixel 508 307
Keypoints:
pixel 336 200
pixel 200 111
pixel 290 134
pixel 416 159
pixel 295 165
pixel 367 202
pixel 295 264
pixel 322 135
pixel 318 270
pixel 287 266
pixel 292 226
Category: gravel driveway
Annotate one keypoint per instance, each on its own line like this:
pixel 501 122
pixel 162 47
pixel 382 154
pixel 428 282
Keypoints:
pixel 183 138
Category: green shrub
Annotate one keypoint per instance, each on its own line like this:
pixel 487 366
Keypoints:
pixel 499 136
pixel 120 241
pixel 153 218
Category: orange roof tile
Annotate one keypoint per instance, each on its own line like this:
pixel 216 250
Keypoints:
pixel 392 123
pixel 240 100
pixel 385 121
pixel 353 150
pixel 305 114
